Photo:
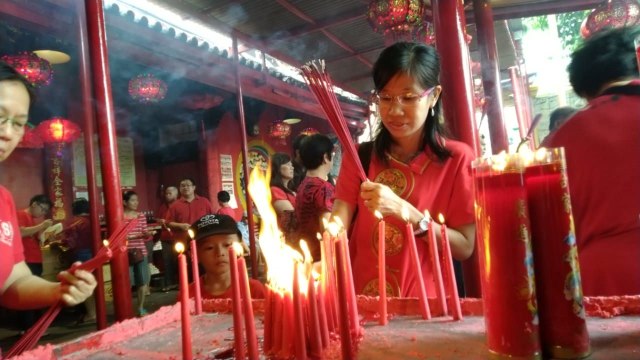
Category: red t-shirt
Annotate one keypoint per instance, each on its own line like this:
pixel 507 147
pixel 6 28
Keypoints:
pixel 182 211
pixel 225 210
pixel 78 234
pixel 440 187
pixel 31 245
pixel 602 148
pixel 279 194
pixel 315 197
pixel 255 287
pixel 11 251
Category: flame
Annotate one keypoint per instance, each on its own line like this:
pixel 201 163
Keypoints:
pixel 279 256
pixel 179 247
pixel 378 214
pixel 427 214
pixel 238 249
pixel 105 243
pixel 405 213
pixel 441 218
pixel 192 235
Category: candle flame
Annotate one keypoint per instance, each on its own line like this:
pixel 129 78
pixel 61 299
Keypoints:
pixel 332 228
pixel 238 249
pixel 192 235
pixel 378 214
pixel 306 252
pixel 441 218
pixel 179 247
pixel 499 161
pixel 105 242
pixel 405 213
pixel 541 154
pixel 279 256
pixel 427 214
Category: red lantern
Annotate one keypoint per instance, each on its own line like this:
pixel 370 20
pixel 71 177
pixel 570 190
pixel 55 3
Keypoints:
pixel 35 69
pixel 31 139
pixel 280 131
pixel 58 130
pixel 309 131
pixel 146 88
pixel 396 19
pixel 611 14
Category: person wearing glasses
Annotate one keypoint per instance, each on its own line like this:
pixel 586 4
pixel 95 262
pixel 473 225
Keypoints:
pixel 19 288
pixel 186 210
pixel 413 167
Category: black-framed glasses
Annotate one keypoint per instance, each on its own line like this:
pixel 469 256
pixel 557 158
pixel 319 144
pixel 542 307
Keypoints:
pixel 408 99
pixel 16 124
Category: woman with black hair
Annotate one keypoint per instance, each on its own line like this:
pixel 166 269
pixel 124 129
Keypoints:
pixel 283 198
pixel 19 289
pixel 602 149
pixel 413 167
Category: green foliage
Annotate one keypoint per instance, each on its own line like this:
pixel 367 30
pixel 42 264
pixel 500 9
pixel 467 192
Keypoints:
pixel 536 23
pixel 569 28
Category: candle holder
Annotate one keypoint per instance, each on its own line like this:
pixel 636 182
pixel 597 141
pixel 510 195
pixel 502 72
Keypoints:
pixel 563 328
pixel 506 259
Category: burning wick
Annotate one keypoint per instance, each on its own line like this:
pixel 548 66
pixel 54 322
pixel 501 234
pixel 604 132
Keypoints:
pixel 191 234
pixel 179 247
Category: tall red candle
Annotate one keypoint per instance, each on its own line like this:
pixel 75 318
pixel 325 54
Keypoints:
pixel 288 327
pixel 184 303
pixel 298 317
pixel 382 272
pixel 278 323
pixel 506 259
pixel 268 320
pixel 417 269
pixel 563 329
pixel 341 275
pixel 324 326
pixel 315 334
pixel 448 269
pixel 354 319
pixel 249 321
pixel 436 268
pixel 195 270
pixel 238 340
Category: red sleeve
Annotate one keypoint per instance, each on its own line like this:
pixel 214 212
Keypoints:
pixel 324 198
pixel 170 216
pixel 23 219
pixel 460 210
pixel 278 194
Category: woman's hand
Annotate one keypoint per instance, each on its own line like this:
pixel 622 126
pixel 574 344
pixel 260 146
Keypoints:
pixel 380 197
pixel 77 287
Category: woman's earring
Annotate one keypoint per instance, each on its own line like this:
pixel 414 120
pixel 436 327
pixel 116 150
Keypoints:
pixel 433 112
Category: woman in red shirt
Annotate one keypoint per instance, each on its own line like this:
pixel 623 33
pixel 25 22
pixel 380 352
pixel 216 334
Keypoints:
pixel 19 289
pixel 283 198
pixel 414 167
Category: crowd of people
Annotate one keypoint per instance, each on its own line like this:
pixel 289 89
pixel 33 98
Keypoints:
pixel 412 164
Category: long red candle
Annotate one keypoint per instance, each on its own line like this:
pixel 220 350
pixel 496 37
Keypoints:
pixel 238 340
pixel 196 274
pixel 268 320
pixel 249 321
pixel 417 269
pixel 382 272
pixel 315 335
pixel 298 317
pixel 448 269
pixel 278 323
pixel 341 275
pixel 324 326
pixel 184 303
pixel 354 319
pixel 288 326
pixel 437 271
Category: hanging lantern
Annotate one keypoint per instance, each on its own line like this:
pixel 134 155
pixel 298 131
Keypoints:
pixel 309 131
pixel 31 139
pixel 147 88
pixel 611 14
pixel 35 69
pixel 280 131
pixel 395 19
pixel 58 130
pixel 425 33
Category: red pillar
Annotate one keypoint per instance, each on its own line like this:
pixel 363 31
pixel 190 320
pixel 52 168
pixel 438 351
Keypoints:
pixel 88 130
pixel 490 74
pixel 455 76
pixel 245 160
pixel 108 152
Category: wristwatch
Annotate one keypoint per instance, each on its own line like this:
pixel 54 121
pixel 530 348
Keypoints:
pixel 423 226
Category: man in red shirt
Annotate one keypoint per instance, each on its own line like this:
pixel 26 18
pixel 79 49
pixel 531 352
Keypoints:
pixel 314 200
pixel 30 227
pixel 225 208
pixel 186 210
pixel 602 149
pixel 170 269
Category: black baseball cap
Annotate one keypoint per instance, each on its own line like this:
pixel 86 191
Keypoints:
pixel 214 224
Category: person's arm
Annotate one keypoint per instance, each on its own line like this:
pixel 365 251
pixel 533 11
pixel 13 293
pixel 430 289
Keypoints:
pixel 32 230
pixel 172 223
pixel 344 211
pixel 282 205
pixel 22 290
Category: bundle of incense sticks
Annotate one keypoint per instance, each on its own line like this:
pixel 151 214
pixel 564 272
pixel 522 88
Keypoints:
pixel 115 243
pixel 321 86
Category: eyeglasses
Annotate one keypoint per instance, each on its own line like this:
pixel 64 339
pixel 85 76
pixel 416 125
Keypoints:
pixel 45 209
pixel 18 125
pixel 408 99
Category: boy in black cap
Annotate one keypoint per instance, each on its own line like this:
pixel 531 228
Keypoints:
pixel 214 234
